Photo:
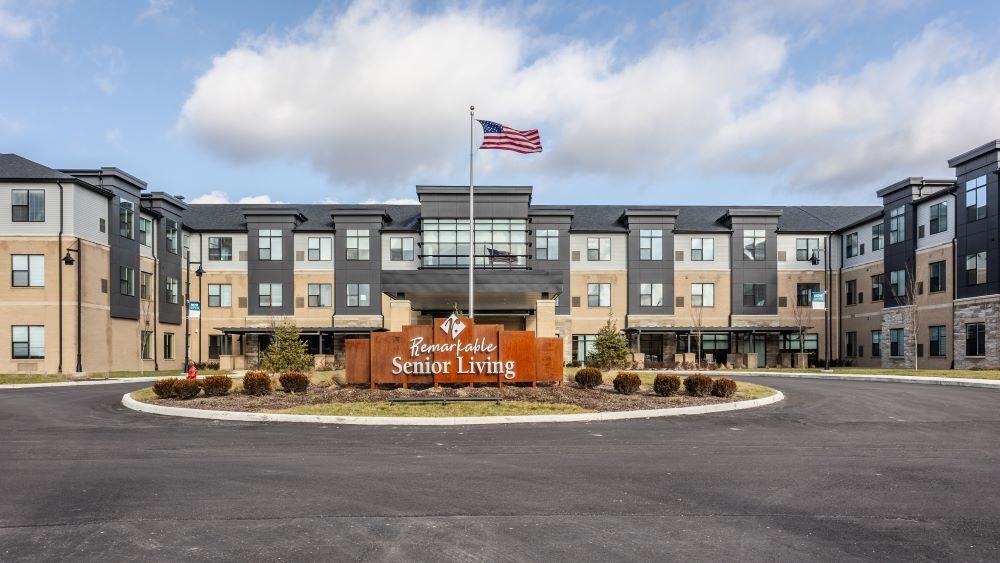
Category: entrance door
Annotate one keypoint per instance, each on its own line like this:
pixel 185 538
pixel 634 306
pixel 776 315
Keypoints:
pixel 760 348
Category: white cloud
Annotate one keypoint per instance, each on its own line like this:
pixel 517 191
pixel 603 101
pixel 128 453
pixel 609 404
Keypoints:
pixel 257 199
pixel 110 66
pixel 155 9
pixel 113 136
pixel 391 201
pixel 218 196
pixel 14 27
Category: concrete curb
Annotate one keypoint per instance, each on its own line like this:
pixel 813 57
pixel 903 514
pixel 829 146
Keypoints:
pixel 94 382
pixel 925 380
pixel 131 403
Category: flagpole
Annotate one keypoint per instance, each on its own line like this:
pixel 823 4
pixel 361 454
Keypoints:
pixel 472 220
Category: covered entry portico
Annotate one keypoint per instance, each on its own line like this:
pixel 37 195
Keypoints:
pixel 326 344
pixel 741 346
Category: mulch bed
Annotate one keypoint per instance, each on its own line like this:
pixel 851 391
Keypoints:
pixel 603 398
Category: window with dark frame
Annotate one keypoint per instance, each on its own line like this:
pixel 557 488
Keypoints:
pixel 938 341
pixel 703 249
pixel 803 294
pixel 754 244
pixel 897 224
pixel 650 244
pixel 358 244
pixel 320 295
pixel 598 249
pixel 975 339
pixel 172 291
pixel 851 291
pixel 938 276
pixel 703 295
pixel 975 199
pixel 852 245
pixel 126 281
pixel 897 283
pixel 220 249
pixel 27 206
pixel 939 218
pixel 27 342
pixel 146 231
pixel 754 295
pixel 220 295
pixel 878 236
pixel 598 294
pixel 269 244
pixel 269 295
pixel 126 219
pixel 896 342
pixel 401 249
pixel 219 345
pixel 806 248
pixel 546 244
pixel 975 269
pixel 168 345
pixel 876 343
pixel 146 345
pixel 170 232
pixel 319 249
pixel 145 285
pixel 357 295
pixel 650 294
pixel 878 287
pixel 852 344
pixel 27 270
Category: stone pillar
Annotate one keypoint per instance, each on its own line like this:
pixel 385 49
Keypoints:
pixel 400 314
pixel 545 318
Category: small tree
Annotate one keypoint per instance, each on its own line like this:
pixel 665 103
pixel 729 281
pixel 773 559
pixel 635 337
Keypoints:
pixel 611 349
pixel 801 315
pixel 697 321
pixel 287 352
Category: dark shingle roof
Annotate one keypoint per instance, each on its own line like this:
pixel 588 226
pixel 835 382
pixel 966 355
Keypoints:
pixel 15 168
pixel 229 216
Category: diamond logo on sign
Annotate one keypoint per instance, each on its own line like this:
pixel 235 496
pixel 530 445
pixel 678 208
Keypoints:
pixel 453 326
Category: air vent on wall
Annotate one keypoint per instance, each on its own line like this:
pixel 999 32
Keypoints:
pixel 920 350
pixel 862 249
pixel 300 256
pixel 576 300
pixel 920 231
pixel 104 286
pixel 300 302
pixel 920 288
pixel 861 297
pixel 242 301
pixel 242 256
pixel 679 301
pixel 576 258
pixel 782 256
pixel 782 301
pixel 678 256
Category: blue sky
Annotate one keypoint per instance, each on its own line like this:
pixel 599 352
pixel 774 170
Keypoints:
pixel 724 102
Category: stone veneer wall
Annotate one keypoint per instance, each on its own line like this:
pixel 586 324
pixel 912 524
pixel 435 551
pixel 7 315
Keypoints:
pixel 564 326
pixel 374 321
pixel 896 317
pixel 987 310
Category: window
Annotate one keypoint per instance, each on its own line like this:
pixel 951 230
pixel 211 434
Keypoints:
pixel 897 224
pixel 170 231
pixel 939 341
pixel 975 199
pixel 878 287
pixel 851 291
pixel 28 342
pixel 897 283
pixel 650 294
pixel 790 342
pixel 878 236
pixel 126 281
pixel 269 244
pixel 187 244
pixel 806 248
pixel 598 249
pixel 126 219
pixel 852 344
pixel 401 249
pixel 754 295
pixel 975 269
pixel 220 295
pixel 172 293
pixel 145 285
pixel 702 249
pixel 168 345
pixel 269 295
pixel 583 345
pixel 320 295
pixel 852 245
pixel 703 294
pixel 598 294
pixel 938 276
pixel 27 206
pixel 145 232
pixel 219 345
pixel 357 295
pixel 146 344
pixel 650 244
pixel 321 249
pixel 975 339
pixel 546 244
pixel 753 244
pixel 357 244
pixel 220 249
pixel 498 242
pixel 446 243
pixel 939 217
pixel 27 270
pixel 876 343
pixel 896 342
pixel 803 294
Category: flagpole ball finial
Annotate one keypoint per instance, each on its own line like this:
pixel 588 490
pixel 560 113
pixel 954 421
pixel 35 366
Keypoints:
pixel 472 108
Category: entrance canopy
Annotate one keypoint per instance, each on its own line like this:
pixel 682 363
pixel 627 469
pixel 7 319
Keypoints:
pixel 713 329
pixel 441 290
pixel 241 330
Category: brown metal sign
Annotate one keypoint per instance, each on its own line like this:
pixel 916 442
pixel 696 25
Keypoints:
pixel 454 350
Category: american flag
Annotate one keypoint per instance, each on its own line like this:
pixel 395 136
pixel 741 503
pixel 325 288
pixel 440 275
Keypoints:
pixel 500 256
pixel 498 136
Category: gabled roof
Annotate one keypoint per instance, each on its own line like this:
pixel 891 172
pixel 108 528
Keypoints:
pixel 16 168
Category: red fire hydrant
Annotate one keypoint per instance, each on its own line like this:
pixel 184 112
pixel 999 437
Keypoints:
pixel 192 372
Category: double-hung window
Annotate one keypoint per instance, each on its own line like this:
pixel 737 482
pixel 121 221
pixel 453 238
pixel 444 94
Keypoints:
pixel 852 344
pixel 851 291
pixel 878 236
pixel 896 342
pixel 173 296
pixel 806 248
pixel 975 339
pixel 650 294
pixel 939 218
pixel 598 249
pixel 269 295
pixel 145 231
pixel 876 343
pixel 145 285
pixel 269 244
pixel 939 341
pixel 357 295
pixel 897 224
pixel 938 276
pixel 170 232
pixel 754 243
pixel 852 245
pixel 703 249
pixel 320 295
pixel 897 283
pixel 598 294
pixel 401 249
pixel 975 269
pixel 975 199
pixel 878 287
pixel 803 294
pixel 27 342
pixel 320 249
pixel 703 295
pixel 357 244
pixel 220 295
pixel 168 345
pixel 754 295
pixel 650 244
pixel 146 345
pixel 126 280
pixel 220 249
pixel 219 345
pixel 546 244
pixel 27 206
pixel 28 270
pixel 126 219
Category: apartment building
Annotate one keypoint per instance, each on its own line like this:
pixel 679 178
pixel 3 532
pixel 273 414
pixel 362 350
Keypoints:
pixel 100 265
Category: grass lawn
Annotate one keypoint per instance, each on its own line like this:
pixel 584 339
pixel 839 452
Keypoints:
pixel 433 409
pixel 972 374
pixel 56 377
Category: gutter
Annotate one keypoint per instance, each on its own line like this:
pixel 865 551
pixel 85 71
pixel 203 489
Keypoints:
pixel 59 262
pixel 954 276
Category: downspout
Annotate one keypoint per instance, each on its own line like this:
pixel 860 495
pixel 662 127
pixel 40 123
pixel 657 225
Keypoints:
pixel 156 293
pixel 840 302
pixel 59 262
pixel 200 294
pixel 79 306
pixel 954 276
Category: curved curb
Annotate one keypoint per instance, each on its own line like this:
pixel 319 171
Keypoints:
pixel 109 381
pixel 925 380
pixel 131 403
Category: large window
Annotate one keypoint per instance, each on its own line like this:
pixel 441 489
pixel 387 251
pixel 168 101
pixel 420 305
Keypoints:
pixel 650 244
pixel 975 199
pixel 220 249
pixel 852 344
pixel 878 236
pixel 546 244
pixel 806 248
pixel 446 243
pixel 754 243
pixel 320 249
pixel 702 249
pixel 939 218
pixel 27 206
pixel 790 342
pixel 145 285
pixel 897 224
pixel 754 295
pixel 851 291
pixel 27 342
pixel 401 249
pixel 939 341
pixel 583 345
pixel 126 281
pixel 219 345
pixel 126 219
pixel 501 242
pixel 897 283
pixel 173 295
pixel 358 244
pixel 598 294
pixel 269 244
pixel 650 294
pixel 598 248
pixel 852 245
pixel 320 295
pixel 803 294
pixel 876 343
pixel 146 344
pixel 269 295
pixel 896 342
pixel 168 345
pixel 170 232
pixel 975 339
pixel 357 295
pixel 27 270
pixel 220 295
pixel 938 276
pixel 145 231
pixel 703 295
pixel 878 287
pixel 975 269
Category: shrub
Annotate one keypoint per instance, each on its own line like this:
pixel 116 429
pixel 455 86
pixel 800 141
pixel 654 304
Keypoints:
pixel 698 385
pixel 186 388
pixel 666 385
pixel 164 388
pixel 588 378
pixel 627 382
pixel 294 381
pixel 723 387
pixel 257 383
pixel 611 349
pixel 217 385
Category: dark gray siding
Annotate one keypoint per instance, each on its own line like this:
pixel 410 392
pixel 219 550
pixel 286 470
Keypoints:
pixel 755 271
pixel 453 203
pixel 982 235
pixel 358 271
pixel 560 267
pixel 271 271
pixel 124 252
pixel 650 271
pixel 901 255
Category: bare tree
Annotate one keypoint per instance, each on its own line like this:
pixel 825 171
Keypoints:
pixel 697 321
pixel 907 301
pixel 800 314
